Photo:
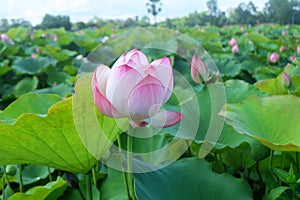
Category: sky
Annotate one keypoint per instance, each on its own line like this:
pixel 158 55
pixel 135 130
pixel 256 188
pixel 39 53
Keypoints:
pixel 84 10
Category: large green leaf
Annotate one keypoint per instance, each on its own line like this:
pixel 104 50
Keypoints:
pixel 56 140
pixel 35 104
pixel 34 173
pixel 236 91
pixel 32 66
pixel 51 191
pixel 113 187
pixel 271 120
pixel 189 179
pixel 26 85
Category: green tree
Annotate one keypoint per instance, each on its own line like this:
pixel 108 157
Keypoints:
pixel 50 21
pixel 154 7
pixel 244 14
pixel 216 16
pixel 280 11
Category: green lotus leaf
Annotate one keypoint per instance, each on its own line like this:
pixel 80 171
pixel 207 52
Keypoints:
pixel 274 120
pixel 59 138
pixel 189 178
pixel 52 190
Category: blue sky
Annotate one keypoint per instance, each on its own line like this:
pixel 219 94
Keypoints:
pixel 84 10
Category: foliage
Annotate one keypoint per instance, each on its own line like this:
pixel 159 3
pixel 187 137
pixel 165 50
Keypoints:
pixel 50 21
pixel 255 157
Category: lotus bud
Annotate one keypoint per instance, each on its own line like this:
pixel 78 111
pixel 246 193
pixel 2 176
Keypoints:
pixel 235 49
pixel 286 80
pixel 33 56
pixel 292 58
pixel 298 49
pixel 281 48
pixel 274 57
pixel 135 89
pixel 199 70
pixel 232 42
pixel 283 33
pixel 104 40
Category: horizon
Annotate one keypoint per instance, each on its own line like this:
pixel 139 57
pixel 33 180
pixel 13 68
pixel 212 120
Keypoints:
pixel 86 10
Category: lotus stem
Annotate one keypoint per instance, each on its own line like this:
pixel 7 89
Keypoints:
pixel 81 194
pixel 88 186
pixel 94 177
pixel 271 159
pixel 49 174
pixel 20 179
pixel 129 160
pixel 123 171
pixel 7 182
pixel 297 162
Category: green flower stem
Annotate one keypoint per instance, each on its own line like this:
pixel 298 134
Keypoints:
pixel 81 194
pixel 129 160
pixel 49 174
pixel 123 171
pixel 20 179
pixel 94 177
pixel 282 160
pixel 297 162
pixel 88 186
pixel 3 185
pixel 7 182
pixel 271 159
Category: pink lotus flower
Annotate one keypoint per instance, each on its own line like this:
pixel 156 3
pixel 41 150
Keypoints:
pixel 292 58
pixel 286 80
pixel 274 57
pixel 135 89
pixel 283 33
pixel 5 38
pixel 33 56
pixel 232 42
pixel 298 49
pixel 281 48
pixel 199 70
pixel 104 40
pixel 55 37
pixel 235 49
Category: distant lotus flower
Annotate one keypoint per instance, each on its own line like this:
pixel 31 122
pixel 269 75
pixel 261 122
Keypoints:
pixel 5 38
pixel 79 57
pixel 286 80
pixel 292 58
pixel 177 32
pixel 274 57
pixel 104 40
pixel 232 42
pixel 38 50
pixel 283 33
pixel 55 37
pixel 235 49
pixel 135 89
pixel 113 35
pixel 199 70
pixel 33 56
pixel 298 49
pixel 281 48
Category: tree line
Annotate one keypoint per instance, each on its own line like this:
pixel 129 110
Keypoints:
pixel 275 11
